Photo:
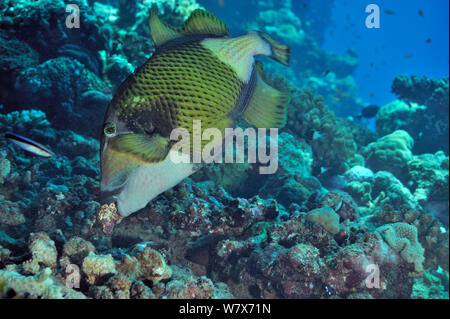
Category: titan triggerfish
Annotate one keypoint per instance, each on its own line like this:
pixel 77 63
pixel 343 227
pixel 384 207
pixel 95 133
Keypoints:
pixel 196 73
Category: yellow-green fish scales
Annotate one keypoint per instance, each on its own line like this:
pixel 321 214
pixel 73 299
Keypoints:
pixel 178 85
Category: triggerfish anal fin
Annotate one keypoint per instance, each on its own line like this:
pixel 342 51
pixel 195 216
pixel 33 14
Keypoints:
pixel 202 22
pixel 161 32
pixel 268 106
pixel 148 149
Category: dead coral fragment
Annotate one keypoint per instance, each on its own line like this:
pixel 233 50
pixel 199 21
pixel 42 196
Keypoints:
pixel 325 217
pixel 402 238
pixel 109 217
pixel 77 249
pixel 98 267
pixel 41 285
pixel 43 252
pixel 10 214
pixel 152 265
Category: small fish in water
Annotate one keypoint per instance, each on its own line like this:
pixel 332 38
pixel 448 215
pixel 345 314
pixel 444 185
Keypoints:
pixel 197 73
pixel 421 13
pixel 330 291
pixel 29 145
pixel 368 112
pixel 317 135
pixel 341 94
pixel 313 135
pixel 326 73
pixel 390 12
pixel 428 40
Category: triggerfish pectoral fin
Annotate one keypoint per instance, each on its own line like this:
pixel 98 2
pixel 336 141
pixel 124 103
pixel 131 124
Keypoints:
pixel 149 149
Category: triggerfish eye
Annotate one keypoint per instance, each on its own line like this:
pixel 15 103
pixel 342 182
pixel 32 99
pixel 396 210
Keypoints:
pixel 110 129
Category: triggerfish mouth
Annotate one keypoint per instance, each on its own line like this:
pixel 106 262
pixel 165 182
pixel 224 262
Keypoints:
pixel 196 73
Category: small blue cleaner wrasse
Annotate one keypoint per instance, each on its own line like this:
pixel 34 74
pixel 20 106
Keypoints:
pixel 29 145
pixel 196 73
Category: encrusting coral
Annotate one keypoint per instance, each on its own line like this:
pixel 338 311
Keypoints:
pixel 402 238
pixel 390 153
pixel 98 267
pixel 325 217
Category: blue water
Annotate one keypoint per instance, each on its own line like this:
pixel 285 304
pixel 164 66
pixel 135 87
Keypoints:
pixel 384 52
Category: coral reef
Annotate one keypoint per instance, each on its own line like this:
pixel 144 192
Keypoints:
pixel 325 217
pixel 402 238
pixel 431 234
pixel 334 149
pixel 389 153
pixel 43 253
pixel 97 267
pixel 293 182
pixel 349 213
pixel 41 285
pixel 429 173
pixel 69 92
pixel 429 124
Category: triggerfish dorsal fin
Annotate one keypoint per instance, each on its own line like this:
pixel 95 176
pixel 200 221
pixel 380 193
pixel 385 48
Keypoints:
pixel 161 32
pixel 202 22
pixel 268 106
pixel 150 149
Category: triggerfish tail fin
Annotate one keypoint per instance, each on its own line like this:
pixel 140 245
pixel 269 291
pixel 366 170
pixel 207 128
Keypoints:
pixel 202 22
pixel 161 32
pixel 268 106
pixel 280 52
